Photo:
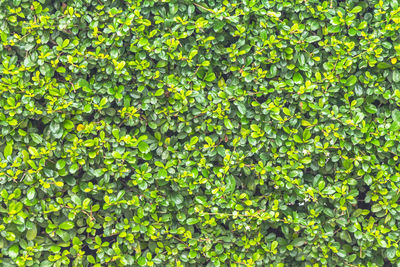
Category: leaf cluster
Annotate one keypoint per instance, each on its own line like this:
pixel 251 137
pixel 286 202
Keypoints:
pixel 208 133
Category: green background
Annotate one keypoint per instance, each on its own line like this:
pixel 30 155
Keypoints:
pixel 208 133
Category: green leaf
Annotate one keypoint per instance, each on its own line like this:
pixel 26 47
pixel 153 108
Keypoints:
pixel 192 221
pixel 177 198
pixel 376 208
pixel 230 183
pixel 298 242
pixel 142 261
pixel 65 43
pixel 368 179
pixel 8 149
pixel 68 124
pixel 255 127
pixel 91 259
pixel 370 108
pixel 114 53
pixel 73 168
pixel 60 164
pixel 306 134
pixel 396 120
pixel 242 108
pixel 396 76
pixel 274 245
pixel 228 124
pixel 201 200
pixel 31 233
pixel 210 77
pixel 356 9
pixel 103 102
pixel 67 225
pixel 13 251
pixel 144 147
pixel 219 248
pixel 36 138
pixel 31 193
pixel 89 143
pixel 84 85
pixel 352 80
pixel 297 139
pixel 61 70
pixel 306 160
pixel 297 78
pixel 391 253
pixel 159 92
pixel 115 133
pixel 383 65
pixel 194 140
pixel 312 39
pixel 321 185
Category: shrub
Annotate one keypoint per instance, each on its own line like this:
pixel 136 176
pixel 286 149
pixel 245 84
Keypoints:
pixel 208 133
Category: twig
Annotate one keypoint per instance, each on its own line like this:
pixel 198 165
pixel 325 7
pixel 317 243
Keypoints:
pixel 209 10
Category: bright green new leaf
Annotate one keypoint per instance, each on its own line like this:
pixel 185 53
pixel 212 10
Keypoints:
pixel 8 150
pixel 67 225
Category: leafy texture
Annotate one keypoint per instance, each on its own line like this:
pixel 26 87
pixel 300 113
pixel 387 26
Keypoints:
pixel 199 133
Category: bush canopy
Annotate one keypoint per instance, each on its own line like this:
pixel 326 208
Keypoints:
pixel 199 133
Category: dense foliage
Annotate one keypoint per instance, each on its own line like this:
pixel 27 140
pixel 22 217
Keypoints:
pixel 215 133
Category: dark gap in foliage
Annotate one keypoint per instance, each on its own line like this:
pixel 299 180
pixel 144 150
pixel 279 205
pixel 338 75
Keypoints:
pixel 169 133
pixel 89 251
pixel 90 117
pixel 92 72
pixel 377 103
pixel 59 77
pixel 257 191
pixel 276 231
pixel 51 44
pixel 110 239
pixel 37 124
pixel 140 161
pixel 79 174
pixel 261 99
pixel 387 263
pixel 361 203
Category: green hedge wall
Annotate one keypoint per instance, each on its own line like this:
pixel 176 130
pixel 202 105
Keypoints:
pixel 199 133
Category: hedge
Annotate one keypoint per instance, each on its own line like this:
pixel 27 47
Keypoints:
pixel 199 133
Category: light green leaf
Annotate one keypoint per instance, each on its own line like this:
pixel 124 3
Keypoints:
pixel 306 134
pixel 356 9
pixel 68 225
pixel 210 77
pixel 351 80
pixel 60 164
pixel 228 124
pixel 31 233
pixel 68 124
pixel 297 78
pixel 8 150
pixel 192 221
pixel 297 139
pixel 144 147
pixel 13 251
pixel 31 193
pixel 274 245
